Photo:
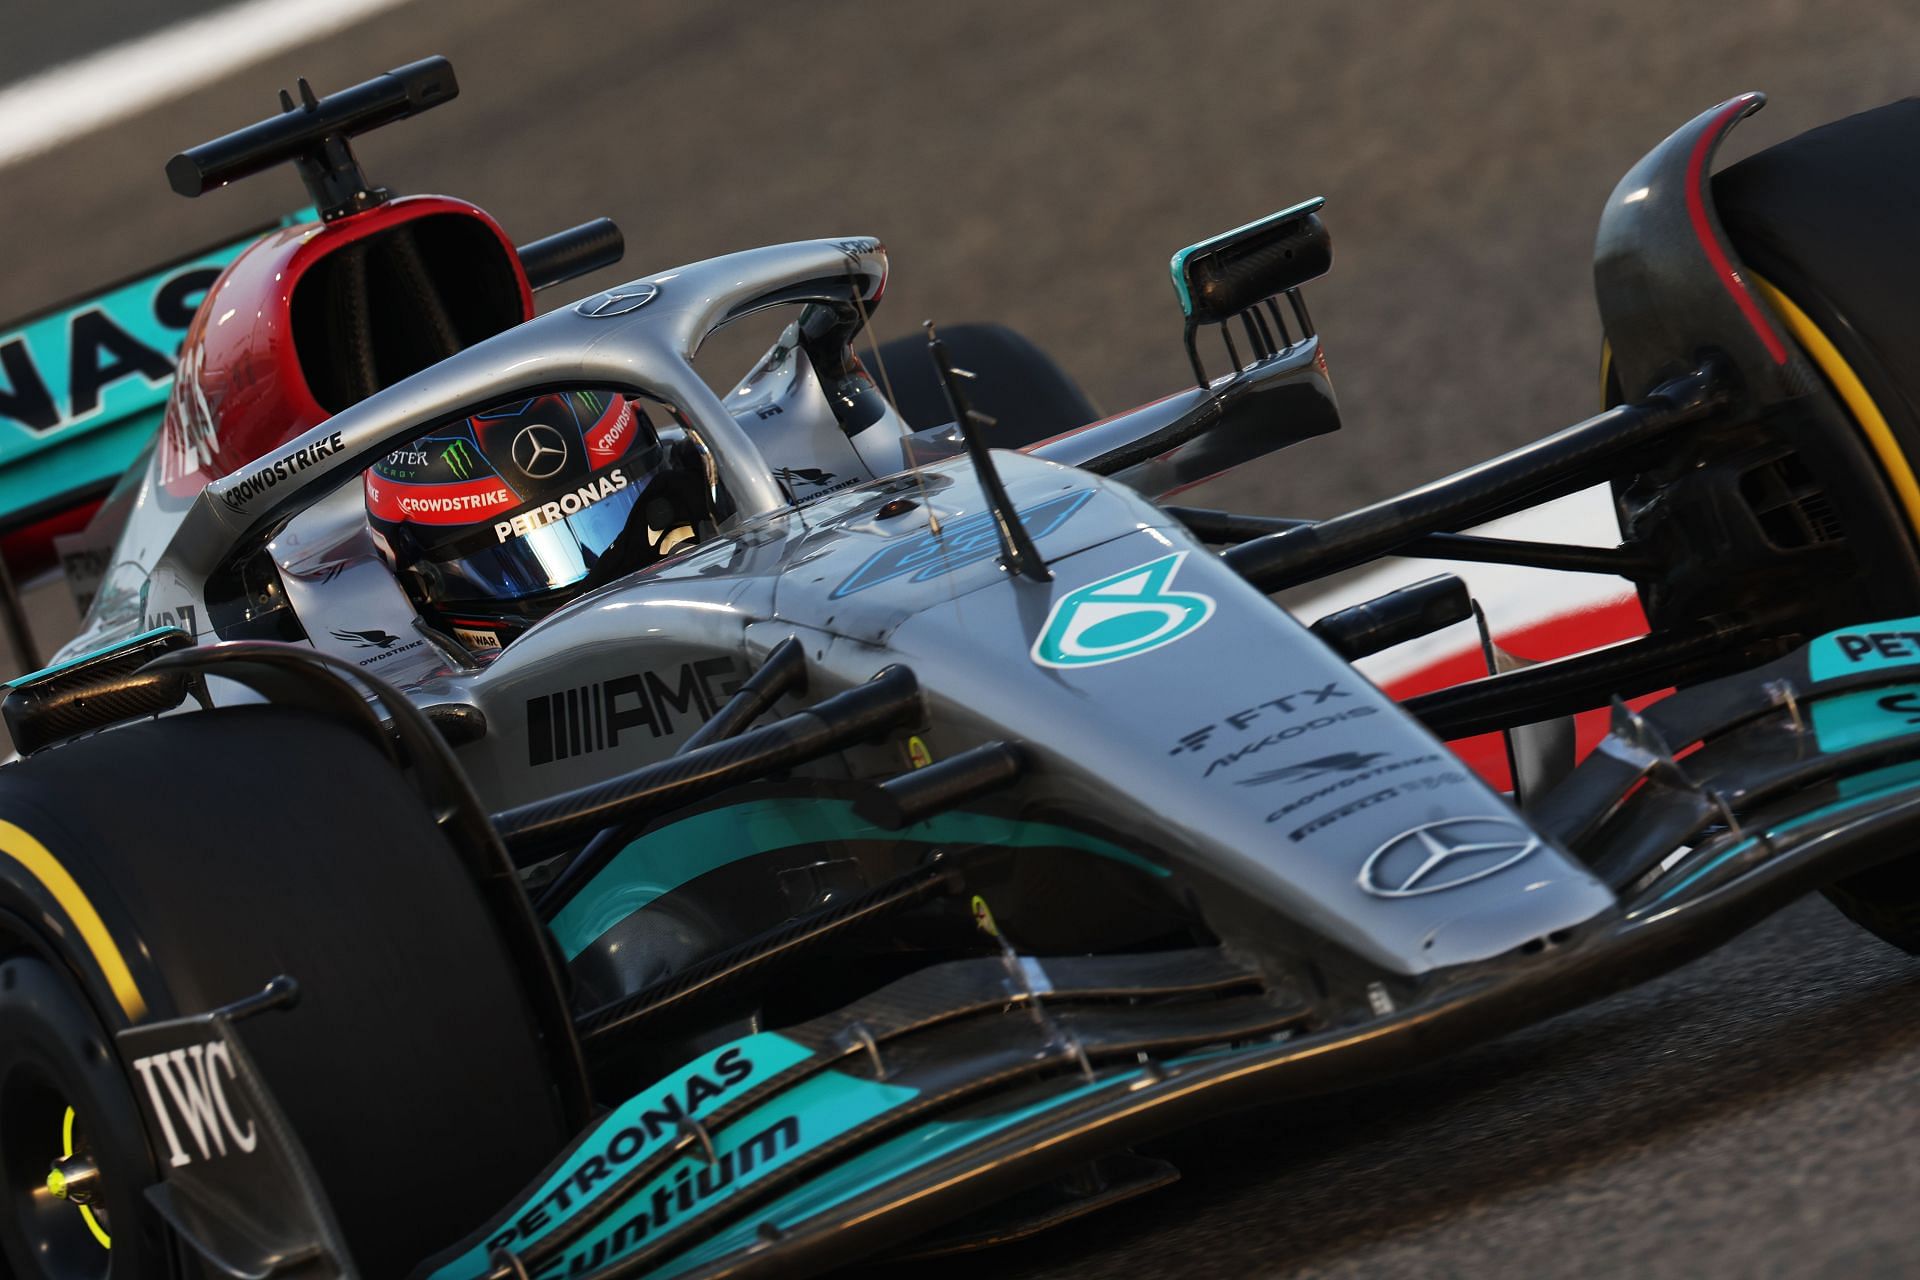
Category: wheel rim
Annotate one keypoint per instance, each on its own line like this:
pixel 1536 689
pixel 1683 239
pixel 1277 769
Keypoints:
pixel 75 1178
pixel 41 1134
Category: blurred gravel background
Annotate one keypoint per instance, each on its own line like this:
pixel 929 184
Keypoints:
pixel 1036 164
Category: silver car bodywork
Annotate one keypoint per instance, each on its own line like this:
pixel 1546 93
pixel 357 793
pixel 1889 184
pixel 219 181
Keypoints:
pixel 1161 852
pixel 1244 749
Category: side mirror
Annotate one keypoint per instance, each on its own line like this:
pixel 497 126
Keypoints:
pixel 1230 275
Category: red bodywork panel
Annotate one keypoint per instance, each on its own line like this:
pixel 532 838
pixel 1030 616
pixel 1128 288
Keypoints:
pixel 240 391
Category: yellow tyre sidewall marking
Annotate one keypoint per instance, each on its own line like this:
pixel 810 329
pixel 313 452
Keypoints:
pixel 1872 423
pixel 33 857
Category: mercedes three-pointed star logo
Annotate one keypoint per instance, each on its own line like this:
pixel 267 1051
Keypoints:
pixel 539 451
pixel 617 302
pixel 1444 855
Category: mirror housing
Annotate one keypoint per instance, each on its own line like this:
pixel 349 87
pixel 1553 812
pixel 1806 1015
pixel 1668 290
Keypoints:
pixel 1226 274
pixel 1230 275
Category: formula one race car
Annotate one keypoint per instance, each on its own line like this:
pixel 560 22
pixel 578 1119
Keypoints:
pixel 614 829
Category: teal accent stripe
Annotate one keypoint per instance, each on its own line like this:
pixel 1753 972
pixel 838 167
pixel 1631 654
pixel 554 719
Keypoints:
pixel 1178 265
pixel 1870 646
pixel 72 462
pixel 1851 720
pixel 786 1127
pixel 753 1147
pixel 627 1135
pixel 35 676
pixel 1871 715
pixel 1879 784
pixel 661 861
pixel 889 1160
pixel 902 1154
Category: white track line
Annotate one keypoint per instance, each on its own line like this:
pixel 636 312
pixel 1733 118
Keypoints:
pixel 39 113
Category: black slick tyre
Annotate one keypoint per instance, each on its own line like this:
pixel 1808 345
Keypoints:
pixel 218 850
pixel 1029 396
pixel 1825 220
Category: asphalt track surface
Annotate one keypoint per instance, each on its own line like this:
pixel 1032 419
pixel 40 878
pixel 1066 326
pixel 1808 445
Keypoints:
pixel 43 35
pixel 1755 1114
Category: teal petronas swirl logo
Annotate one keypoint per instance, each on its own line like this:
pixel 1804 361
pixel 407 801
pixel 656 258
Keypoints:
pixel 1131 613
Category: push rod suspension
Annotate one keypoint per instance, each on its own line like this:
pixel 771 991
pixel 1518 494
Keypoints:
pixel 888 701
pixel 1230 527
pixel 1587 680
pixel 1558 465
pixel 784 672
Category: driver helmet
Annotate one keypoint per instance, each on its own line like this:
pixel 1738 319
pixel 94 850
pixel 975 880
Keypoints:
pixel 494 521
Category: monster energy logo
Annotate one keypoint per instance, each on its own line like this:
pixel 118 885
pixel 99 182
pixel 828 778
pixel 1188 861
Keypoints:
pixel 460 459
pixel 589 402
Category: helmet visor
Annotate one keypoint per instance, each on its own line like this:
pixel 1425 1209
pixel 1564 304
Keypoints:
pixel 545 549
pixel 516 503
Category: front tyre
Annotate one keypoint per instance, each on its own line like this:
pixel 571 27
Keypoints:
pixel 1023 389
pixel 1825 221
pixel 171 867
pixel 1884 901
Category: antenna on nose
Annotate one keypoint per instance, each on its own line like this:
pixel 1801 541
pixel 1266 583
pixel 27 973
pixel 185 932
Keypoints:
pixel 1017 551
